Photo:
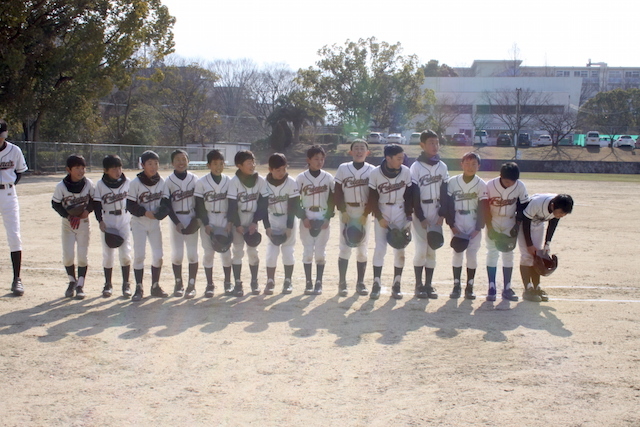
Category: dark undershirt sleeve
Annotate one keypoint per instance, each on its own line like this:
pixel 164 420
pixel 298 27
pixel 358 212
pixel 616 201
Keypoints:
pixel 97 210
pixel 526 230
pixel 135 209
pixel 58 208
pixel 232 213
pixel 292 209
pixel 166 203
pixel 201 211
pixel 551 228
pixel 339 198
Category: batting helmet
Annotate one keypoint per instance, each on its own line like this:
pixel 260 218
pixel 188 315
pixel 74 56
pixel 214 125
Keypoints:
pixel 460 242
pixel 316 227
pixel 278 237
pixel 252 240
pixel 112 238
pixel 505 243
pixel 398 238
pixel 220 239
pixel 435 238
pixel 544 264
pixel 353 234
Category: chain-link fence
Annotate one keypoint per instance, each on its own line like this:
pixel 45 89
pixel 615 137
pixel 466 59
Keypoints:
pixel 50 157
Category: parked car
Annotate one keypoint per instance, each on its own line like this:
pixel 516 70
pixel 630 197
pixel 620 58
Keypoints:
pixel 376 138
pixel 504 139
pixel 524 140
pixel 593 139
pixel 395 138
pixel 605 141
pixel 625 141
pixel 459 139
pixel 352 137
pixel 543 140
pixel 415 138
pixel 481 137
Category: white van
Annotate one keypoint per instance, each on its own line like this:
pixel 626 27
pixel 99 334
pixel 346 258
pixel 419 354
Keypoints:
pixel 481 137
pixel 593 139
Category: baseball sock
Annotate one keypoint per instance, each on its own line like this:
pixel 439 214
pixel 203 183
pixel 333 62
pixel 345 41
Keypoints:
pixel 254 272
pixel 343 264
pixel 193 272
pixel 237 271
pixel 418 272
pixel 71 272
pixel 377 272
pixel 108 273
pixel 319 272
pixel 288 271
pixel 525 272
pixel 307 272
pixel 507 271
pixel 82 273
pixel 271 273
pixel 125 273
pixel 227 274
pixel 491 273
pixel 155 275
pixel 535 277
pixel 457 273
pixel 397 271
pixel 208 273
pixel 471 274
pixel 362 267
pixel 428 273
pixel 138 274
pixel 16 261
pixel 177 272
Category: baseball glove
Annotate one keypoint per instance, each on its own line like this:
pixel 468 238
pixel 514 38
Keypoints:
pixel 76 210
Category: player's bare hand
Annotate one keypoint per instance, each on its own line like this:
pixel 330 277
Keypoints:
pixel 228 227
pixel 288 232
pixel 424 223
pixel 383 223
pixel 253 228
pixel 363 219
pixel 208 229
pixel 179 227
pixel 74 221
pixel 103 226
pixel 455 231
pixel 440 221
pixel 306 223
pixel 474 234
pixel 268 232
pixel 240 229
pixel 150 215
pixel 532 250
pixel 325 224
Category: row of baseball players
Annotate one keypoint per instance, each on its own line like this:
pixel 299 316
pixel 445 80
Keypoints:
pixel 227 212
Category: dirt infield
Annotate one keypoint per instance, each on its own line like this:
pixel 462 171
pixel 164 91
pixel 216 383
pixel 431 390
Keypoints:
pixel 328 360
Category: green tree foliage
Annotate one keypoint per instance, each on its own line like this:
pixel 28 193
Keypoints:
pixel 613 112
pixel 296 109
pixel 367 83
pixel 433 69
pixel 55 52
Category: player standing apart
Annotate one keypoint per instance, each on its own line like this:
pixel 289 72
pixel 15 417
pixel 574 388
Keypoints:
pixel 284 200
pixel 390 201
pixel 248 198
pixel 73 200
pixel 466 195
pixel 12 166
pixel 428 173
pixel 532 238
pixel 110 203
pixel 316 209
pixel 179 199
pixel 351 196
pixel 211 208
pixel 507 197
pixel 143 201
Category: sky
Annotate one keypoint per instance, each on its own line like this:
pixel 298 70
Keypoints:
pixel 546 32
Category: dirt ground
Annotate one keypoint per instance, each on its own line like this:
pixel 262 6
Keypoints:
pixel 328 360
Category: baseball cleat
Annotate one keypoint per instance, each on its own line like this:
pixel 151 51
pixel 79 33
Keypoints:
pixel 361 289
pixel 107 291
pixel 395 291
pixel 530 294
pixel 317 290
pixel 237 289
pixel 287 288
pixel 178 289
pixel 228 288
pixel 255 289
pixel 508 294
pixel 268 288
pixel 342 289
pixel 468 292
pixel 70 290
pixel 80 292
pixel 191 292
pixel 421 292
pixel 431 292
pixel 137 296
pixel 308 289
pixel 455 293
pixel 17 288
pixel 491 296
pixel 208 292
pixel 126 290
pixel 375 290
pixel 542 294
pixel 156 291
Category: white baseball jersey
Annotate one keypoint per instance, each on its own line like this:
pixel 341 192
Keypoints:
pixel 181 193
pixel 466 197
pixel 391 194
pixel 355 182
pixel 503 203
pixel 62 195
pixel 538 208
pixel 11 161
pixel 279 196
pixel 114 202
pixel 214 196
pixel 428 179
pixel 314 193
pixel 147 196
pixel 247 197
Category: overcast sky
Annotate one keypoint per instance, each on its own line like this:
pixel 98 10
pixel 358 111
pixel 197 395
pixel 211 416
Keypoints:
pixel 547 32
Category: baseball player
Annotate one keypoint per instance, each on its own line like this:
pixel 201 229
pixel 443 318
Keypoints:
pixel 507 196
pixel 316 209
pixel 351 196
pixel 73 200
pixel 179 199
pixel 428 173
pixel 12 166
pixel 542 208
pixel 248 198
pixel 390 201
pixel 464 211
pixel 110 208
pixel 143 201
pixel 284 200
pixel 211 208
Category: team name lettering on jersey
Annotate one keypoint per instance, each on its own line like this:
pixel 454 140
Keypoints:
pixel 148 197
pixel 310 190
pixel 212 196
pixel 273 200
pixel 178 195
pixel 73 200
pixel 352 182
pixel 387 187
pixel 499 201
pixel 460 195
pixel 429 179
pixel 244 197
pixel 113 198
pixel 7 165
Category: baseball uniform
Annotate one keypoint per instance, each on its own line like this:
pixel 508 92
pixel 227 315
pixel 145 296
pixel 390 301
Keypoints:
pixel 284 198
pixel 11 163
pixel 316 202
pixel 215 205
pixel 144 195
pixel 110 199
pixel 537 212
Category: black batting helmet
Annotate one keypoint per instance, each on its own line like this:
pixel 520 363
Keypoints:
pixel 353 234
pixel 460 242
pixel 278 237
pixel 220 239
pixel 435 238
pixel 544 264
pixel 252 240
pixel 112 238
pixel 398 238
pixel 316 227
pixel 505 243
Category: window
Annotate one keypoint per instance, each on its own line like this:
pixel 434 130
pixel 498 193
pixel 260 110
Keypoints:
pixel 615 74
pixel 560 73
pixel 632 74
pixel 580 73
pixel 595 73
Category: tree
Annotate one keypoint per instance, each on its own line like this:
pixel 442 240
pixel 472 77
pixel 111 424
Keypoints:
pixel 432 69
pixel 613 112
pixel 558 125
pixel 367 83
pixel 298 109
pixel 442 114
pixel 52 51
pixel 271 83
